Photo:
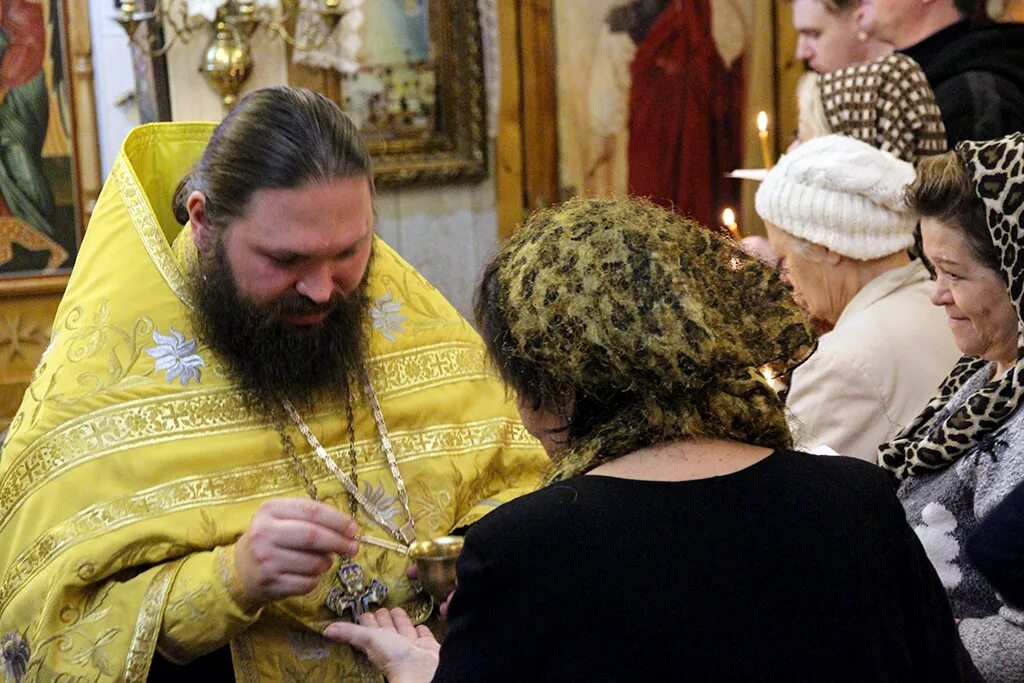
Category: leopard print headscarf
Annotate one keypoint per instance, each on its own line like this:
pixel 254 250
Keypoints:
pixel 887 104
pixel 652 325
pixel 996 168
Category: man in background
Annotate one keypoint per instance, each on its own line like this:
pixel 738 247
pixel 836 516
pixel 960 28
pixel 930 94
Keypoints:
pixel 977 73
pixel 828 37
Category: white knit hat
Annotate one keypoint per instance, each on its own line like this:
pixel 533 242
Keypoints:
pixel 843 194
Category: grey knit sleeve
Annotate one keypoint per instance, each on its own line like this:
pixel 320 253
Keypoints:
pixel 996 645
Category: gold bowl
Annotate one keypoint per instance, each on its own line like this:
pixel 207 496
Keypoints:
pixel 435 563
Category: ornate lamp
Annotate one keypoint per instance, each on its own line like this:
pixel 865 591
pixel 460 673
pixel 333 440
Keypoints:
pixel 227 60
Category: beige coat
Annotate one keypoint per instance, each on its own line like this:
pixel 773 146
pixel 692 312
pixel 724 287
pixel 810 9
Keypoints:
pixel 877 368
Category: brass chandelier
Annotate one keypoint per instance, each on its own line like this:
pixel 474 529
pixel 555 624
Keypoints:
pixel 230 24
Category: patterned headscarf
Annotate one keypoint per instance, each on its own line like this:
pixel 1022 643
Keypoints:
pixel 887 104
pixel 644 326
pixel 996 168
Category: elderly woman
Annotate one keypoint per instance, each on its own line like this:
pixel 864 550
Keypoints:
pixel 965 452
pixel 835 216
pixel 674 541
pixel 886 103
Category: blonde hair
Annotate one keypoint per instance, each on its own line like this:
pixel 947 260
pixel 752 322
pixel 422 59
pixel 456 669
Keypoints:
pixel 812 122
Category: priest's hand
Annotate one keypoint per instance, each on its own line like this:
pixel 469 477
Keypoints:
pixel 288 546
pixel 404 653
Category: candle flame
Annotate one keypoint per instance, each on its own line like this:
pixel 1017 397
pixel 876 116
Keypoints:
pixel 773 380
pixel 762 121
pixel 728 218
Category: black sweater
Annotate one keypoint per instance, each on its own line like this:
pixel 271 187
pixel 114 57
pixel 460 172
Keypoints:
pixel 997 548
pixel 978 79
pixel 799 567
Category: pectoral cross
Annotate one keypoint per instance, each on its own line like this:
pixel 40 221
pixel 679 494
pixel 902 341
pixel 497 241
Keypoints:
pixel 355 595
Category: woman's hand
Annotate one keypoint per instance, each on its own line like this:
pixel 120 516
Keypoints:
pixel 443 609
pixel 404 653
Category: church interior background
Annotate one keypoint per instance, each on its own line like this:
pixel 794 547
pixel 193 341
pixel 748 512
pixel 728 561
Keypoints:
pixel 477 111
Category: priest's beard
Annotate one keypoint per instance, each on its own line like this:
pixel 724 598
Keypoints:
pixel 270 360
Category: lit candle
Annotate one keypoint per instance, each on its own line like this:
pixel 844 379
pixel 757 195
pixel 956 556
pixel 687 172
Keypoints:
pixel 762 132
pixel 729 221
pixel 774 382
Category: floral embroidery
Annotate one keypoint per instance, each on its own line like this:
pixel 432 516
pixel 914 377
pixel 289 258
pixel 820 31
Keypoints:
pixel 15 653
pixel 378 498
pixel 386 316
pixel 308 646
pixel 177 356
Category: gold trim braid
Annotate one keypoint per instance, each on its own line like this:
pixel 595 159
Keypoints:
pixel 147 628
pixel 202 412
pixel 149 231
pixel 429 367
pixel 243 484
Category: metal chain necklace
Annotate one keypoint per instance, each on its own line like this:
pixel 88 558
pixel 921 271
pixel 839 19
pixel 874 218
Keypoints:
pixel 355 595
pixel 289 448
pixel 404 534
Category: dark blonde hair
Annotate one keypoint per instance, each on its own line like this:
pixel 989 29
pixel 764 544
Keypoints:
pixel 943 191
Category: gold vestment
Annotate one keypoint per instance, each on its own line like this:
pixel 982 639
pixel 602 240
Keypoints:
pixel 132 466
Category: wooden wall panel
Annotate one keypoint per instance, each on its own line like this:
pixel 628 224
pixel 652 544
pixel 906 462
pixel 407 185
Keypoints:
pixel 24 334
pixel 788 70
pixel 540 105
pixel 508 161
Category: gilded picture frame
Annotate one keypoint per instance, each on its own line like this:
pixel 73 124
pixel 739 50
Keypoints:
pixel 439 133
pixel 52 176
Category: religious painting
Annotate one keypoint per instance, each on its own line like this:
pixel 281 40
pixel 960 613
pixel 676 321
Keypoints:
pixel 49 173
pixel 40 218
pixel 653 100
pixel 410 73
pixel 392 94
